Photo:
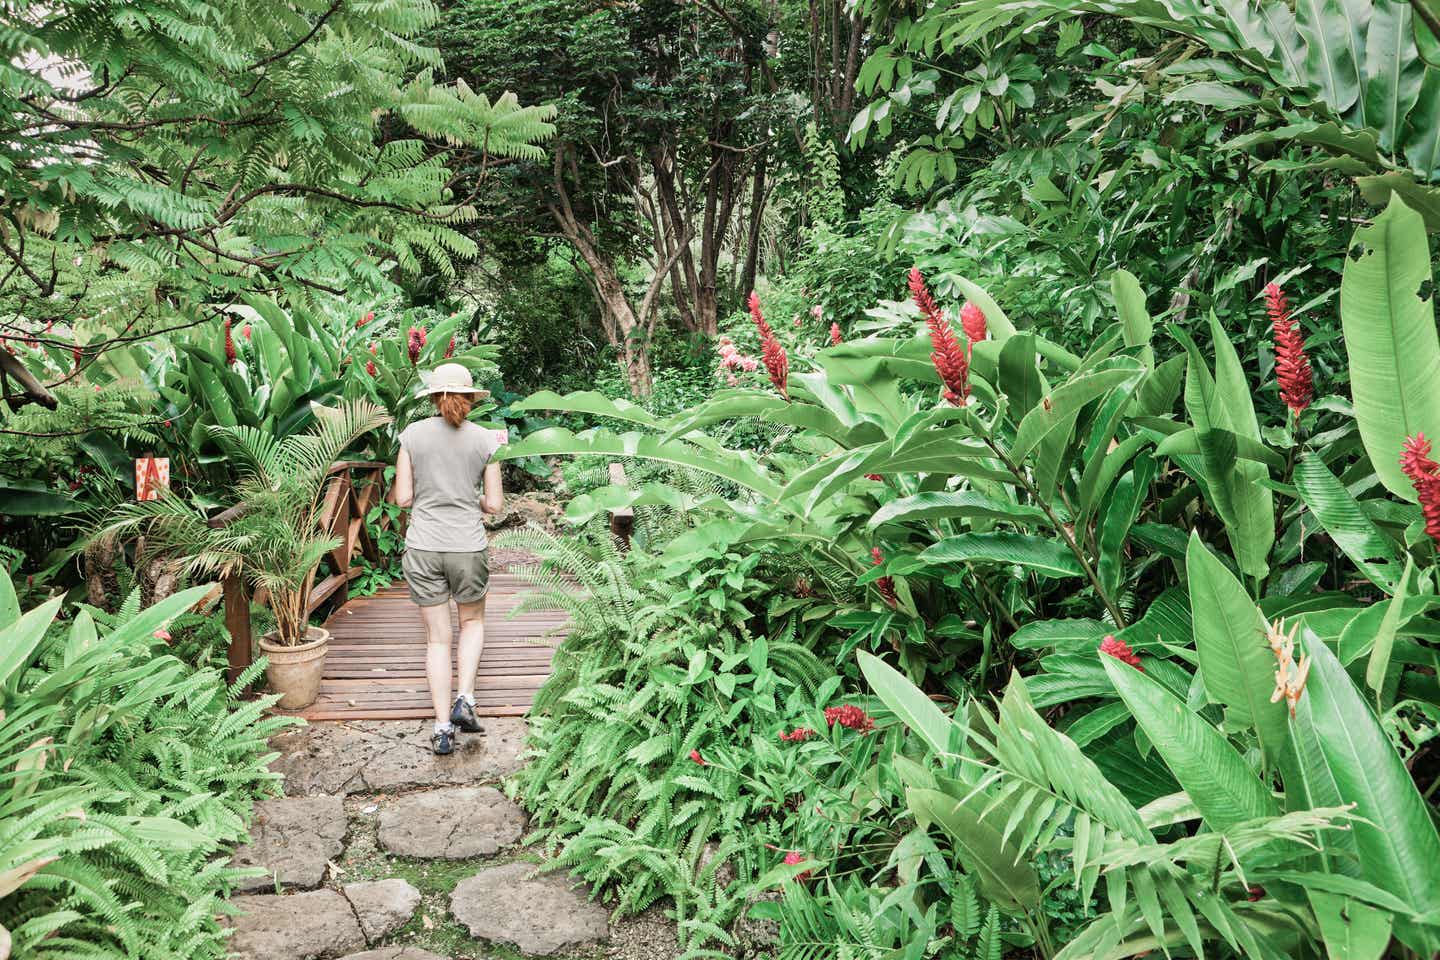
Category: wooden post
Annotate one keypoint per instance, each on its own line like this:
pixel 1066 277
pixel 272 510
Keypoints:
pixel 622 520
pixel 237 622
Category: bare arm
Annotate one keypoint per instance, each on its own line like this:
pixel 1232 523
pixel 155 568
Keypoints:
pixel 492 499
pixel 404 479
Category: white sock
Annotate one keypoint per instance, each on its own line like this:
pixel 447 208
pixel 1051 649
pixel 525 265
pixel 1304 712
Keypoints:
pixel 468 698
pixel 446 727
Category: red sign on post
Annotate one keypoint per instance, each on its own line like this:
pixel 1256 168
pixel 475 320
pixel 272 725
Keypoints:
pixel 152 474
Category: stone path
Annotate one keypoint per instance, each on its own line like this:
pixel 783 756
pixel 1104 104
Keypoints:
pixel 382 851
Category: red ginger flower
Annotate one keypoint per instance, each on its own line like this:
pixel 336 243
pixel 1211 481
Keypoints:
pixel 229 344
pixel 972 320
pixel 950 361
pixel 695 755
pixel 365 319
pixel 798 735
pixel 450 350
pixel 1292 366
pixel 416 338
pixel 835 338
pixel 886 585
pixel 772 354
pixel 1121 651
pixel 793 857
pixel 849 716
pixel 370 368
pixel 1416 463
pixel 245 331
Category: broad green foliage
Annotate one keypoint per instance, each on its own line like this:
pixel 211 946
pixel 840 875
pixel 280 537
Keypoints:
pixel 129 774
pixel 1343 76
pixel 196 153
pixel 1387 309
pixel 1123 492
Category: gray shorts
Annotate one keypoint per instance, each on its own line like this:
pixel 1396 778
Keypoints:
pixel 436 577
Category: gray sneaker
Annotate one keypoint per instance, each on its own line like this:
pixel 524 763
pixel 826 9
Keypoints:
pixel 463 716
pixel 442 742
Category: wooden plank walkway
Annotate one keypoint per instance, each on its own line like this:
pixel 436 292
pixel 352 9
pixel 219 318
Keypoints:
pixel 376 666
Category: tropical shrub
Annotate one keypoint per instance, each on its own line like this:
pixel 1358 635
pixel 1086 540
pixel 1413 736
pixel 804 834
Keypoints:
pixel 1198 600
pixel 128 775
pixel 273 538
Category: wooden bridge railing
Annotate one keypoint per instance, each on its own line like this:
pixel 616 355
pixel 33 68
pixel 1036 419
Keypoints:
pixel 352 489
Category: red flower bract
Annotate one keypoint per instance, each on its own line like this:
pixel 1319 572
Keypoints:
pixel 885 585
pixel 950 361
pixel 798 735
pixel 370 367
pixel 245 331
pixel 450 350
pixel 972 320
pixel 416 341
pixel 229 344
pixel 1292 366
pixel 793 857
pixel 1121 651
pixel 1422 471
pixel 695 755
pixel 835 338
pixel 365 319
pixel 772 354
pixel 849 716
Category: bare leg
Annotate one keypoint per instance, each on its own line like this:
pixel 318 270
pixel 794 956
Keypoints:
pixel 437 658
pixel 472 642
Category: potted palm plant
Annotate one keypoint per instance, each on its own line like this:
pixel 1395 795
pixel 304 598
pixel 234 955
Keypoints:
pixel 272 537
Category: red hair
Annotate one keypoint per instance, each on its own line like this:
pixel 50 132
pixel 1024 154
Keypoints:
pixel 454 407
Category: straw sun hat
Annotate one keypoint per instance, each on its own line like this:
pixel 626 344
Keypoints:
pixel 448 378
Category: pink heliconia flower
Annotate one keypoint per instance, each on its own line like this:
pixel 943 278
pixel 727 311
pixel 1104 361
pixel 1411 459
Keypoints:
pixel 1292 366
pixel 1424 475
pixel 777 364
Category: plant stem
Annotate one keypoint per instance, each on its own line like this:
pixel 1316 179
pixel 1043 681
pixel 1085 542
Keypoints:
pixel 1110 606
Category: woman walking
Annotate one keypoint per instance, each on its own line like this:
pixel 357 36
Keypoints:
pixel 444 475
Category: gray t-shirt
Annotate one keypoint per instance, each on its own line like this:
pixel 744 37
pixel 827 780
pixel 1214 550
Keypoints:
pixel 449 468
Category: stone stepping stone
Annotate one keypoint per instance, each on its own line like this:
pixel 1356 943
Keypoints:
pixel 453 823
pixel 371 756
pixel 382 906
pixel 292 838
pixel 395 953
pixel 298 926
pixel 538 915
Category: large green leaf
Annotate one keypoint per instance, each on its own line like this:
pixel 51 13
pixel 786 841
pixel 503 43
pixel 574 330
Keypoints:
pixel 21 499
pixel 1386 309
pixel 1235 659
pixel 591 402
pixel 1247 508
pixel 917 711
pixel 1394 835
pixel 1066 400
pixel 556 441
pixel 1341 517
pixel 1006 878
pixel 1332 61
pixel 1223 787
pixel 945 504
pixel 1134 318
pixel 1048 558
pixel 1351 930
pixel 1393 71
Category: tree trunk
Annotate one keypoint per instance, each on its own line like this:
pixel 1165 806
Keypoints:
pixel 752 239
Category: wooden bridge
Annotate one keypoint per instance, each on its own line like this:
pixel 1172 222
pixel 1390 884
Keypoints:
pixel 376 666
pixel 375 669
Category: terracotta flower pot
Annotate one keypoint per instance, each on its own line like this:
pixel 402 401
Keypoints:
pixel 294 672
